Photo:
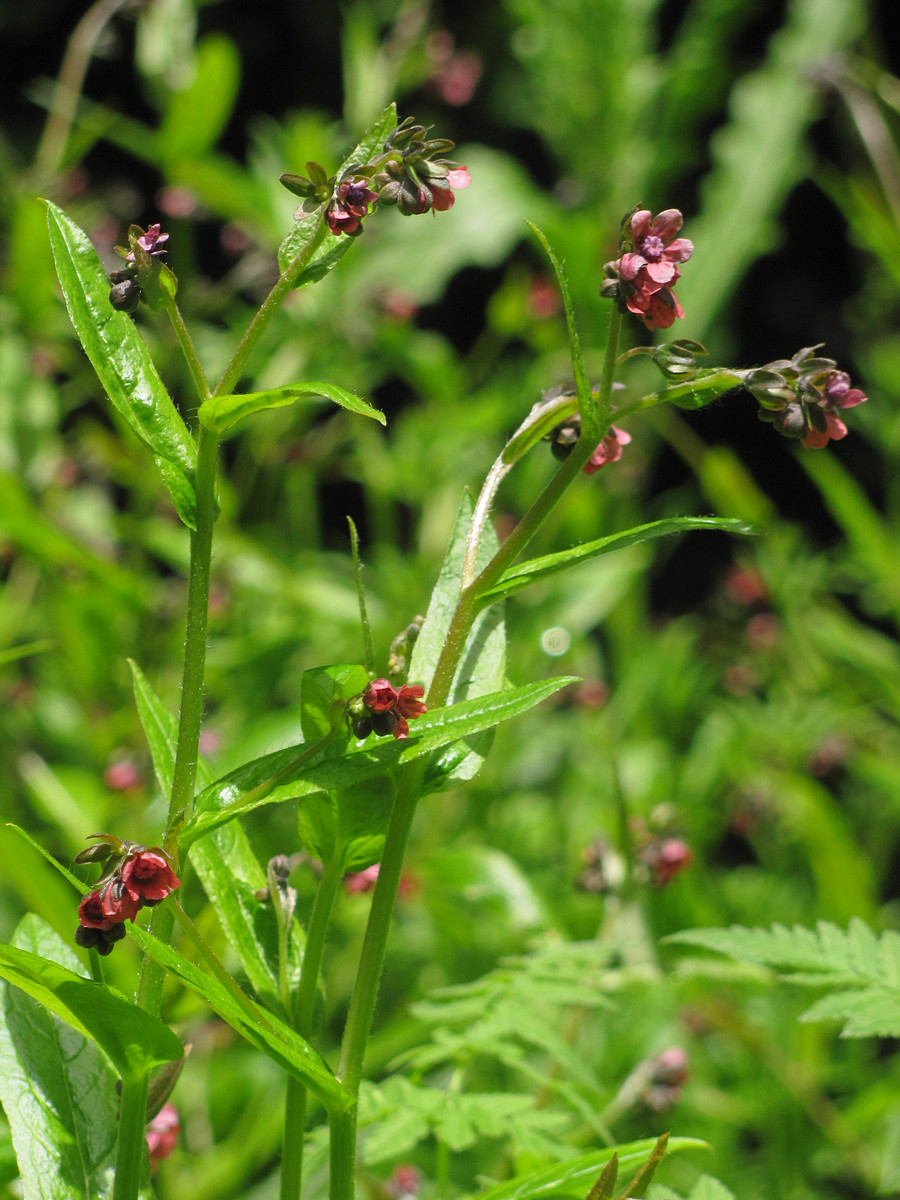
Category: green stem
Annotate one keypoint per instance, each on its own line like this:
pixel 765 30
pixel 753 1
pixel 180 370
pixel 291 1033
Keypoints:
pixel 267 310
pixel 132 1139
pixel 187 349
pixel 304 1007
pixel 342 1137
pixel 368 978
pixel 470 603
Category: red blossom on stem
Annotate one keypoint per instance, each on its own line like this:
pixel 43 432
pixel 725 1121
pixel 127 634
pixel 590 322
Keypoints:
pixel 350 204
pixel 90 912
pixel 148 876
pixel 390 710
pixel 644 276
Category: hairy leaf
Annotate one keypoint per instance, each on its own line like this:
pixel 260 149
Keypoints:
pixel 122 361
pixel 222 413
pixel 57 1087
pixel 536 569
pixel 263 1030
pixel 334 246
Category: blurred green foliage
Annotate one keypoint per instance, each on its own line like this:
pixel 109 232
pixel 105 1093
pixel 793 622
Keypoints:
pixel 741 696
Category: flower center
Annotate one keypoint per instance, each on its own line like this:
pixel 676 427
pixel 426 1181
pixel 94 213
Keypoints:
pixel 652 247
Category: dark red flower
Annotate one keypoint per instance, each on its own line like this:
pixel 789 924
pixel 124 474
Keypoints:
pixel 162 1133
pixel 151 241
pixel 380 696
pixel 148 876
pixel 609 450
pixel 815 439
pixel 90 912
pixel 350 204
pixel 117 904
pixel 442 190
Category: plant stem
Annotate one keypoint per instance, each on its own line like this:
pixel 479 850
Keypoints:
pixel 303 1016
pixel 187 349
pixel 132 1139
pixel 368 977
pixel 267 310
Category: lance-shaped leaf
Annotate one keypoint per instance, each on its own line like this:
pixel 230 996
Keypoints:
pixel 576 1177
pixel 262 1029
pixel 222 413
pixel 122 361
pixel 299 771
pixel 347 824
pixel 132 1040
pixel 333 247
pixel 536 569
pixel 57 1088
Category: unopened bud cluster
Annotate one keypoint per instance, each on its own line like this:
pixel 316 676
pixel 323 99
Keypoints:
pixel 800 396
pixel 384 709
pixel 406 174
pixel 144 246
pixel 136 877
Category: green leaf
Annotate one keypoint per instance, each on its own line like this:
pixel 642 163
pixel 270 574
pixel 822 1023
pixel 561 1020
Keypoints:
pixel 586 400
pixel 58 1090
pixel 603 1188
pixel 221 413
pixel 232 877
pixel 861 969
pixel 646 1171
pixel 299 771
pixel 265 1031
pixel 133 1041
pixel 536 569
pixel 324 692
pixel 707 1188
pixel 197 115
pixel 335 246
pixel 575 1177
pixel 349 823
pixel 122 361
pixel 482 668
pixel 704 387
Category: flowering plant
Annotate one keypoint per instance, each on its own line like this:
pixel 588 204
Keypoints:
pixel 369 747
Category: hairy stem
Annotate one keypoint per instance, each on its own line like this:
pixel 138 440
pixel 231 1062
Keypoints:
pixel 132 1140
pixel 303 1015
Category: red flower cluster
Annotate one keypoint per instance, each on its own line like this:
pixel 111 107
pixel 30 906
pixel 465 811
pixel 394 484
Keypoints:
pixel 350 204
pixel 383 709
pixel 141 877
pixel 643 278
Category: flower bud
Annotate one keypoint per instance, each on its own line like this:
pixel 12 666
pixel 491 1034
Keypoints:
pixel 125 296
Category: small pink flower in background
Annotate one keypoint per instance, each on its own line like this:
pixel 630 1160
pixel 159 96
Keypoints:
pixel 122 776
pixel 162 1133
pixel 404 1182
pixel 609 450
pixel 148 876
pixel 839 394
pixel 671 1067
pixel 815 439
pixel 665 859
pixel 358 882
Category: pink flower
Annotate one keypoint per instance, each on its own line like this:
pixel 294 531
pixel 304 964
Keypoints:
pixel 151 241
pixel 609 450
pixel 815 439
pixel 358 882
pixel 148 876
pixel 380 696
pixel 409 706
pixel 653 237
pixel 350 204
pixel 162 1133
pixel 665 859
pixel 117 904
pixel 839 393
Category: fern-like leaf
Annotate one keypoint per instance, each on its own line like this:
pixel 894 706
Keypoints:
pixel 860 968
